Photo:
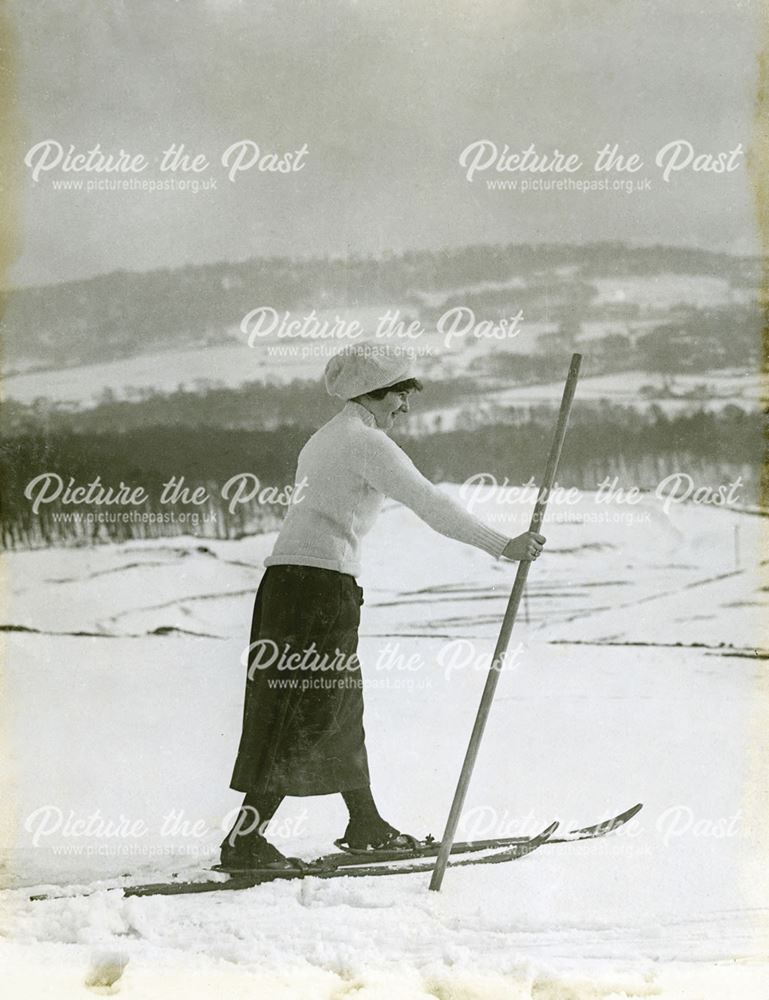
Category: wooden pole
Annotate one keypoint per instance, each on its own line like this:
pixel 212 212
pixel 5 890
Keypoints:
pixel 507 627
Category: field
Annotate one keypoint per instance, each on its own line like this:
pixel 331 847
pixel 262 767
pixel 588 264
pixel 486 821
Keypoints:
pixel 638 674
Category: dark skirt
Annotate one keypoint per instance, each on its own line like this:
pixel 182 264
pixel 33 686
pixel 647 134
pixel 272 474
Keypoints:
pixel 303 714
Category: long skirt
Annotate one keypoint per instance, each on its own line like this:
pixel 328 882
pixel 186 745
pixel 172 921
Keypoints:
pixel 303 714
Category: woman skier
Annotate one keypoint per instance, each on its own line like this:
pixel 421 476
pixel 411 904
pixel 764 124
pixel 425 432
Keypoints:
pixel 303 727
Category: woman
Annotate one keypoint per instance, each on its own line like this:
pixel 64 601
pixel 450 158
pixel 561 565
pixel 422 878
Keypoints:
pixel 303 716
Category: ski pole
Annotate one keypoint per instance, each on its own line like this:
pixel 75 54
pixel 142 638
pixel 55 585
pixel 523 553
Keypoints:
pixel 507 627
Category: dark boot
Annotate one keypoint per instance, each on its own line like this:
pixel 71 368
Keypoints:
pixel 251 852
pixel 366 829
pixel 245 847
pixel 367 836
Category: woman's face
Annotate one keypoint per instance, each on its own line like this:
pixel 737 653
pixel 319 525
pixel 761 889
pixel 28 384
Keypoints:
pixel 388 407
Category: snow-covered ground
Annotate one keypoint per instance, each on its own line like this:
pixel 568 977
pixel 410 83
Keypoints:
pixel 711 391
pixel 444 347
pixel 660 291
pixel 639 673
pixel 233 364
pixel 266 350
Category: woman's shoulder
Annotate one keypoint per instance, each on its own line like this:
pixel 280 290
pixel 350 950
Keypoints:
pixel 342 434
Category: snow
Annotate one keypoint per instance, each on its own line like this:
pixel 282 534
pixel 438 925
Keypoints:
pixel 640 675
pixel 280 355
pixel 625 388
pixel 230 364
pixel 711 391
pixel 663 291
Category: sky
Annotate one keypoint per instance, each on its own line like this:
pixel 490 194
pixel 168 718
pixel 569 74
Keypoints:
pixel 383 97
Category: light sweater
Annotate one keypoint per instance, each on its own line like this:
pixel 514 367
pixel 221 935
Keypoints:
pixel 347 468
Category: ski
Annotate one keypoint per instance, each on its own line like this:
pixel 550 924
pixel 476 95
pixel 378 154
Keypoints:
pixel 251 879
pixel 429 848
pixel 426 849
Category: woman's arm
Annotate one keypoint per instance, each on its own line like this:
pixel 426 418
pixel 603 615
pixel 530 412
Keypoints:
pixel 389 470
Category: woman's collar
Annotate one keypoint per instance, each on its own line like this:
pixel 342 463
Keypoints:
pixel 361 412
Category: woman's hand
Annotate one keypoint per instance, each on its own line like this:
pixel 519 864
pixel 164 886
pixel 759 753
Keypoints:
pixel 525 546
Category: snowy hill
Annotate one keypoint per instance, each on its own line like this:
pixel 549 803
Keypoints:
pixel 638 676
pixel 124 335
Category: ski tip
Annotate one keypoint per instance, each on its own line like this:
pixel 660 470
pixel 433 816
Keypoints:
pixel 607 826
pixel 625 816
pixel 548 832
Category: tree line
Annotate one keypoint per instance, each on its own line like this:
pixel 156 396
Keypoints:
pixel 604 440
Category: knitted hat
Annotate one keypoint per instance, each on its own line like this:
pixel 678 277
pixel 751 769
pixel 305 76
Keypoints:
pixel 361 368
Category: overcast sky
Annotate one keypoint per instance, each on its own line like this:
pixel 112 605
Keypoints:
pixel 385 94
